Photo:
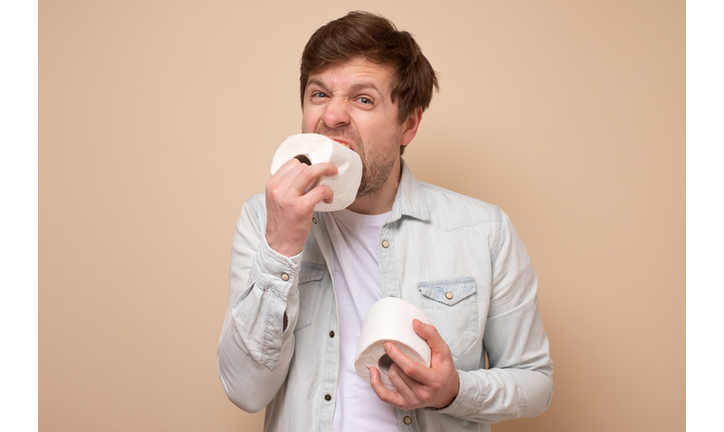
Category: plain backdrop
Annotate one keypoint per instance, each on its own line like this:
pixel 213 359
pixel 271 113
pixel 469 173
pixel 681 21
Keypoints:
pixel 158 119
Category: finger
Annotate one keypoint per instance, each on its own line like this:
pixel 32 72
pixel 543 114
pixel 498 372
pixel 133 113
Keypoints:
pixel 431 336
pixel 305 176
pixel 324 169
pixel 408 366
pixel 281 182
pixel 291 169
pixel 405 385
pixel 286 167
pixel 317 194
pixel 385 394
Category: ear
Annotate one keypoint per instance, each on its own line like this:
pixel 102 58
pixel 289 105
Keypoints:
pixel 409 127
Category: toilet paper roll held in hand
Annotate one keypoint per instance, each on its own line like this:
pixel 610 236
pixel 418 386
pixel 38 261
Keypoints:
pixel 389 319
pixel 313 148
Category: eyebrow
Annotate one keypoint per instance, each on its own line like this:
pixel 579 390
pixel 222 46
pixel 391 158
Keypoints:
pixel 353 88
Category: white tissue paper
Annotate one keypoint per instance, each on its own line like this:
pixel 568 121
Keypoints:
pixel 318 148
pixel 389 319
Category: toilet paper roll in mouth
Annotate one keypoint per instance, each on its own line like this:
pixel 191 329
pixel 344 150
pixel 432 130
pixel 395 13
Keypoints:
pixel 389 320
pixel 313 148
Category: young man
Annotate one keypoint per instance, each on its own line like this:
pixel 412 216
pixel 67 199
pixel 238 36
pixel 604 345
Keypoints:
pixel 302 281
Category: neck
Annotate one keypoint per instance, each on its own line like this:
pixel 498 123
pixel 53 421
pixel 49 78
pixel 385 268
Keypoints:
pixel 382 201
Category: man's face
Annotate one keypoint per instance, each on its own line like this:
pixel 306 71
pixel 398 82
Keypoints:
pixel 352 104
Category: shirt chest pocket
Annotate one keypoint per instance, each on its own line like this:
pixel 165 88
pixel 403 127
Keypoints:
pixel 310 287
pixel 452 306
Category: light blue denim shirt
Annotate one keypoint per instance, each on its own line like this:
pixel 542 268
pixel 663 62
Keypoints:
pixel 437 242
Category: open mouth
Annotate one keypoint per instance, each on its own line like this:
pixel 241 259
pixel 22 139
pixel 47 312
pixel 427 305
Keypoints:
pixel 344 144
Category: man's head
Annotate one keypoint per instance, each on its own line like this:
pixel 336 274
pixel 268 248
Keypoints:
pixel 362 34
pixel 365 84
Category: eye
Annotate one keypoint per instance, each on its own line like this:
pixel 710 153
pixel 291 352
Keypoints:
pixel 318 94
pixel 365 100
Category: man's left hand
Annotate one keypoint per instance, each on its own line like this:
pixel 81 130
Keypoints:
pixel 417 385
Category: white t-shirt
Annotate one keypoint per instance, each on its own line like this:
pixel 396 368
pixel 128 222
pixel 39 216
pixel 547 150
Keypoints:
pixel 357 287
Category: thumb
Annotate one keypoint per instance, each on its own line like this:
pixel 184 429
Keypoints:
pixel 430 334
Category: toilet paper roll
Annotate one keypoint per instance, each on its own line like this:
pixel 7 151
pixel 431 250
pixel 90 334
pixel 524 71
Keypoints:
pixel 389 319
pixel 318 148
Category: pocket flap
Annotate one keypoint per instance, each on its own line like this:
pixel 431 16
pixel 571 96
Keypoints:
pixel 448 291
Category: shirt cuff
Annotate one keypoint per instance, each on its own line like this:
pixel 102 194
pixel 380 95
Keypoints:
pixel 274 270
pixel 470 395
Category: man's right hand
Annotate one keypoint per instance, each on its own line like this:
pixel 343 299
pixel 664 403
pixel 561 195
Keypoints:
pixel 288 209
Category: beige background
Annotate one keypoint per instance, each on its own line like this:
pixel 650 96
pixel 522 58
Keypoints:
pixel 158 119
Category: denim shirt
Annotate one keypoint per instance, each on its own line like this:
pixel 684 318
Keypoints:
pixel 458 259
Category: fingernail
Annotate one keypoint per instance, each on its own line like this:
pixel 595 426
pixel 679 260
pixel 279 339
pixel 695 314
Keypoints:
pixel 386 346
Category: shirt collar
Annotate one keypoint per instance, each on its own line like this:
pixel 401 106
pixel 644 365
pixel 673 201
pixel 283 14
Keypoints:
pixel 410 199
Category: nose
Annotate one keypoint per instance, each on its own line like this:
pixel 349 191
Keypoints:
pixel 336 114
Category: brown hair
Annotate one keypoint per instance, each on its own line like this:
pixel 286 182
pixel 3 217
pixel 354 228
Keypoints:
pixel 377 39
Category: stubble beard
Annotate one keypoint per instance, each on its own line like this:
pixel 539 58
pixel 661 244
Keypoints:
pixel 375 173
pixel 375 170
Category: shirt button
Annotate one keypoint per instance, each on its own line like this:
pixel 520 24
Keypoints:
pixel 314 221
pixel 407 420
pixel 285 277
pixel 331 334
pixel 385 244
pixel 449 295
pixel 328 397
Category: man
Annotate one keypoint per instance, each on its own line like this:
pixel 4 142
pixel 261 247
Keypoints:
pixel 301 281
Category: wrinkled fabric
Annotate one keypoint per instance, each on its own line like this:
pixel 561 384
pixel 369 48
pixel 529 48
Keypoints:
pixel 458 259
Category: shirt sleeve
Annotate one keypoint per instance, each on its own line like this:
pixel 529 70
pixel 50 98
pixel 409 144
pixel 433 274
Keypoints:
pixel 519 381
pixel 255 348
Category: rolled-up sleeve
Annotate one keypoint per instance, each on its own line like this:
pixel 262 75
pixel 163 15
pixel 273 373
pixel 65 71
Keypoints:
pixel 255 348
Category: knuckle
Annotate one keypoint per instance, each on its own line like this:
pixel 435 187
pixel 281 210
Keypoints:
pixel 270 189
pixel 274 197
pixel 306 174
pixel 410 370
pixel 275 192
